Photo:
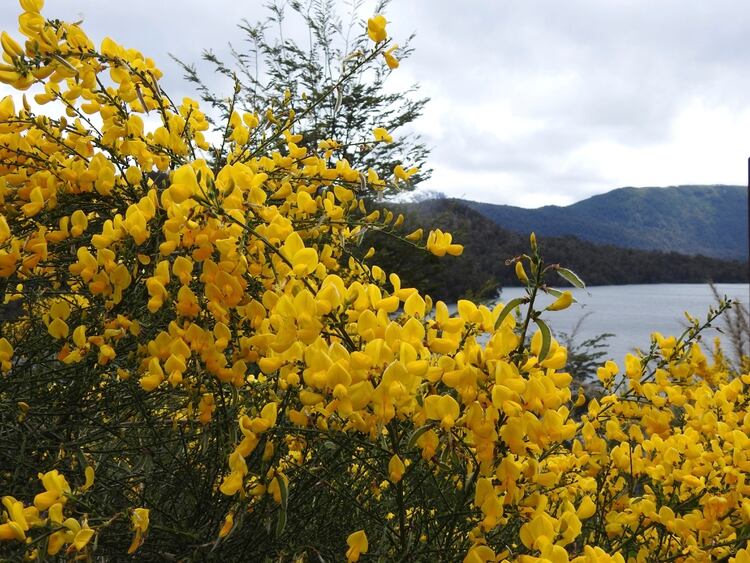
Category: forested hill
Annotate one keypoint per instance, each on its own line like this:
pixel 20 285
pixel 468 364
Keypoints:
pixel 481 269
pixel 708 220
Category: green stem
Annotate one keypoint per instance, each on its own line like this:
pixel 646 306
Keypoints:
pixel 530 311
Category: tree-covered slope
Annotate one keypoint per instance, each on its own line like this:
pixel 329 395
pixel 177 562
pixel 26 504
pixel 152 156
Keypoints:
pixel 708 220
pixel 481 269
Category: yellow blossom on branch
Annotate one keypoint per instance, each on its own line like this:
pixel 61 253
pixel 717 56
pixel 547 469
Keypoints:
pixel 376 28
pixel 209 327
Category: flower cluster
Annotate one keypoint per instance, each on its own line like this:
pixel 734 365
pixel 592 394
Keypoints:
pixel 201 324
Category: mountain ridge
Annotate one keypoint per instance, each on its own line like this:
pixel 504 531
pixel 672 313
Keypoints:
pixel 708 220
pixel 482 268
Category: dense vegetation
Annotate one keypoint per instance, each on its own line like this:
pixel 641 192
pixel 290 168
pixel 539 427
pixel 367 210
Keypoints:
pixel 481 269
pixel 272 64
pixel 196 365
pixel 707 220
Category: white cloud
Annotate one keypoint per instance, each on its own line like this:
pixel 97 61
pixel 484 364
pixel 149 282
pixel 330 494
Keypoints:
pixel 533 101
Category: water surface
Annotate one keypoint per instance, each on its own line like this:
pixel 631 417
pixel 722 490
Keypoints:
pixel 633 312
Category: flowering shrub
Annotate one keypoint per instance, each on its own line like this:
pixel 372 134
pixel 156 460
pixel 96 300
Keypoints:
pixel 195 363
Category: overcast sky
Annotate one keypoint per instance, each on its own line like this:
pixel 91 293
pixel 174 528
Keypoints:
pixel 534 102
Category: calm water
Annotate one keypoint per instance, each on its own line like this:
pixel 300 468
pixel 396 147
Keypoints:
pixel 633 312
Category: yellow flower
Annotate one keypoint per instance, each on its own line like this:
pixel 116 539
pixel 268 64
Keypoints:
pixel 479 554
pixel 226 527
pixel 521 273
pixel 10 46
pixel 304 260
pixel 381 135
pixel 12 531
pixel 206 408
pixel 358 545
pixel 56 513
pixel 540 530
pixel 440 244
pixel 79 223
pixel 32 5
pixel 266 420
pixel 232 483
pixel 139 520
pixel 184 184
pixel 58 328
pixel 89 472
pixel 391 60
pixel 82 538
pixel 376 28
pixel 415 236
pixel 586 509
pixel 56 490
pixel 4 229
pixel 562 302
pixel 6 353
pixel 443 408
pixel 183 269
pixel 55 543
pixel 396 469
pixel 402 174
pixel 35 204
pixel 274 488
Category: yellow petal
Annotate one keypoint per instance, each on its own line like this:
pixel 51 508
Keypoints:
pixel 357 543
pixel 382 135
pixel 227 526
pixel 82 538
pixel 396 469
pixel 305 261
pixel 55 543
pixel 11 531
pixel 390 59
pixel 89 472
pixel 586 509
pixel 562 302
pixel 55 513
pixel 58 329
pixel 4 229
pixel 376 28
pixel 140 519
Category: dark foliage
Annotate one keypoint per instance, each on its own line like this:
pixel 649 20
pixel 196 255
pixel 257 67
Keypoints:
pixel 481 269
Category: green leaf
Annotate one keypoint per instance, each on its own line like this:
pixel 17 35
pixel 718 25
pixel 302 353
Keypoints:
pixel 571 277
pixel 546 338
pixel 469 481
pixel 281 523
pixel 329 445
pixel 416 435
pixel 284 493
pixel 512 304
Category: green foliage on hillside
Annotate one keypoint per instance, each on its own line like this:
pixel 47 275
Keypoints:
pixel 708 220
pixel 481 269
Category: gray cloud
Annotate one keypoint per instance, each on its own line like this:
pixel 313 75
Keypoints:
pixel 583 72
pixel 525 91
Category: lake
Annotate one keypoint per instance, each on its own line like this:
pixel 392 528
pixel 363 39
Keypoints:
pixel 633 312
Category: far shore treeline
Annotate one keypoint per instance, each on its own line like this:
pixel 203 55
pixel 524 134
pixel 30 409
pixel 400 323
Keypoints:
pixel 480 271
pixel 707 219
